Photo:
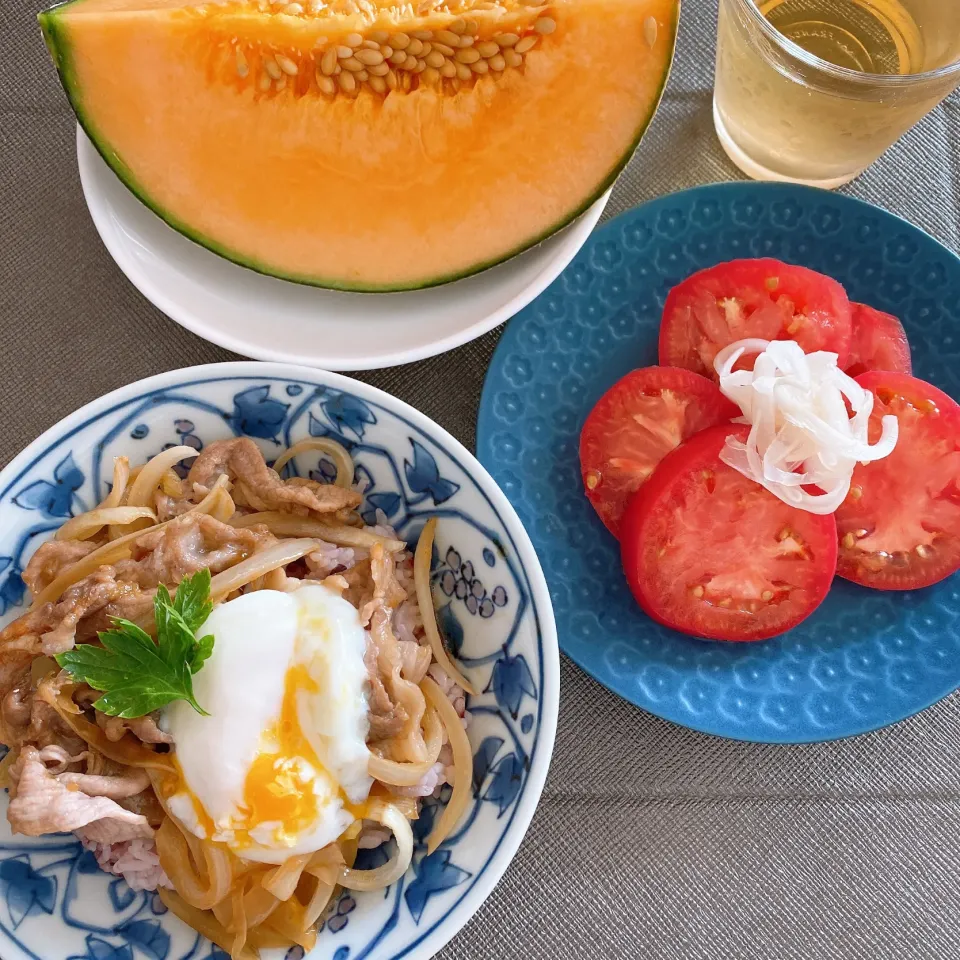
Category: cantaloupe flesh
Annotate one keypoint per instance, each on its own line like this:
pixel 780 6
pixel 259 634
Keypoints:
pixel 360 192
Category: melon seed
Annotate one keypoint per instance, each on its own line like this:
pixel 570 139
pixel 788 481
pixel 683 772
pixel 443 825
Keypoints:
pixel 409 65
pixel 650 30
pixel 467 55
pixel 443 48
pixel 545 25
pixel 466 40
pixel 378 85
pixel 344 52
pixel 472 26
pixel 458 26
pixel 243 68
pixel 353 39
pixel 399 41
pixel 369 57
pixel 287 65
pixel 370 45
pixel 391 80
pixel 273 69
pixel 361 76
pixel 435 59
pixel 421 66
pixel 378 70
pixel 506 39
pixel 512 58
pixel 386 50
pixel 327 85
pixel 480 66
pixel 329 61
pixel 427 47
pixel 487 49
pixel 379 36
pixel 527 43
pixel 431 75
pixel 347 82
pixel 448 70
pixel 448 37
pixel 497 63
pixel 463 71
pixel 352 64
pixel 264 82
pixel 415 48
pixel 422 34
pixel 397 57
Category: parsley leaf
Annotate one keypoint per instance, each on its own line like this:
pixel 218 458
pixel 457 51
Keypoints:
pixel 138 675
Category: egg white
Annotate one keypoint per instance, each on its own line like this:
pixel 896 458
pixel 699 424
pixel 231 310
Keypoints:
pixel 259 637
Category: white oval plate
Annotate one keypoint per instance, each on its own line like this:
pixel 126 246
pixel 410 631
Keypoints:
pixel 269 319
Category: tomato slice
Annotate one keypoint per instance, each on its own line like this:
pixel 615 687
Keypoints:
pixel 710 553
pixel 637 422
pixel 752 298
pixel 879 342
pixel 899 526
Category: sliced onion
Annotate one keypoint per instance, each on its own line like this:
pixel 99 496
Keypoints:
pixel 396 774
pixel 290 525
pixel 282 880
pixel 204 923
pixel 89 524
pixel 240 574
pixel 121 476
pixel 800 431
pixel 421 578
pixel 149 478
pixel 462 764
pixel 390 817
pixel 339 453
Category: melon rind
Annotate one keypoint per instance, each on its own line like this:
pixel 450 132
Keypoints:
pixel 59 46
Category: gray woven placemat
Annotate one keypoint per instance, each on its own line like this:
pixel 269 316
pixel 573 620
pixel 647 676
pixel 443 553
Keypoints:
pixel 651 841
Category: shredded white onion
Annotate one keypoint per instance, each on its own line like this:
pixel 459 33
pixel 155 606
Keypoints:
pixel 800 430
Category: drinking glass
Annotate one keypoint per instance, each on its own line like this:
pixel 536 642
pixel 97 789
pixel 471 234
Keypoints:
pixel 782 113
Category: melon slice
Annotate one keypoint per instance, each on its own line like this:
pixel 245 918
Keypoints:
pixel 365 144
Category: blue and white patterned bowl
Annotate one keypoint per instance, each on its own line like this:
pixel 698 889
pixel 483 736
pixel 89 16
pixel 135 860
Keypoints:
pixel 55 903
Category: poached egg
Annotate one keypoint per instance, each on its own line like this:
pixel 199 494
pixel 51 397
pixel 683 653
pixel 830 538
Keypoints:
pixel 279 767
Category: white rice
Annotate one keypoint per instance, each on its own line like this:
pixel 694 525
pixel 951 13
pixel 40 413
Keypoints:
pixel 453 691
pixel 134 860
pixel 329 558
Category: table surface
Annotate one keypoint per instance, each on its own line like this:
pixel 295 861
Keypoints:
pixel 651 841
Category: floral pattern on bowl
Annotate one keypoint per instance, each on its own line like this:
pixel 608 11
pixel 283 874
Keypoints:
pixel 55 903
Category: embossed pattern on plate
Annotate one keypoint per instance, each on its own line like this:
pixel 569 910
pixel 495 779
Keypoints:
pixel 865 658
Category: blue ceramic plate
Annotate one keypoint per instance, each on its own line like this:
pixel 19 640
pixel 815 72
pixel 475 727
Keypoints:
pixel 865 658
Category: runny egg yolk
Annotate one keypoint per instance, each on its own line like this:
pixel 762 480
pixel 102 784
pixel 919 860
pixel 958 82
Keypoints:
pixel 278 786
